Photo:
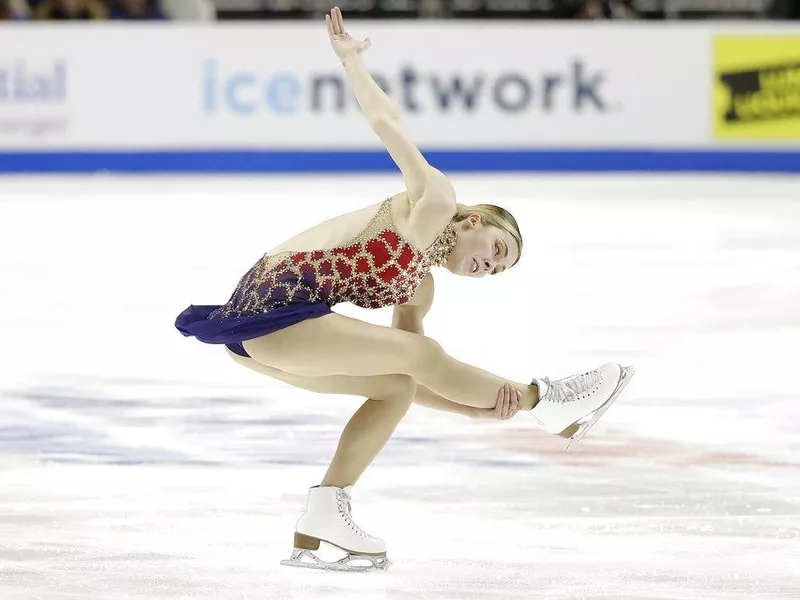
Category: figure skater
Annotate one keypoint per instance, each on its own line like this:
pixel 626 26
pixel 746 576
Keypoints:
pixel 279 322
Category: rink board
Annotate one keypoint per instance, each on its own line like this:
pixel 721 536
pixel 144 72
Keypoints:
pixel 378 161
pixel 504 96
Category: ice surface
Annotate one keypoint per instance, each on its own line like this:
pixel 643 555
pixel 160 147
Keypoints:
pixel 135 463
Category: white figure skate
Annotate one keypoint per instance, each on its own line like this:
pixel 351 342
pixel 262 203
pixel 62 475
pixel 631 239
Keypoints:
pixel 570 407
pixel 326 518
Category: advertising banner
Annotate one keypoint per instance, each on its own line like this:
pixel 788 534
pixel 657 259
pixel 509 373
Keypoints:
pixel 476 96
pixel 458 86
pixel 757 87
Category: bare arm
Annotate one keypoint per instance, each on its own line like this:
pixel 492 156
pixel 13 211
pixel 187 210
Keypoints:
pixel 425 397
pixel 423 182
pixel 508 401
pixel 408 317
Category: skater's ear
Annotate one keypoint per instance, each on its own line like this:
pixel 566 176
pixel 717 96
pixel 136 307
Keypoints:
pixel 474 220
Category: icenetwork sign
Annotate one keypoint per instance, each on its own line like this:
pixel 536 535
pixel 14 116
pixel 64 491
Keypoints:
pixel 577 87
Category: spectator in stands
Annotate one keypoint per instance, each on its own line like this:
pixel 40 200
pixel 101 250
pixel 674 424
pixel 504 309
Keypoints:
pixel 14 9
pixel 72 10
pixel 607 9
pixel 784 9
pixel 136 10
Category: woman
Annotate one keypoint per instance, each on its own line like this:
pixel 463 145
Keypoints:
pixel 14 10
pixel 279 321
pixel 71 10
pixel 136 10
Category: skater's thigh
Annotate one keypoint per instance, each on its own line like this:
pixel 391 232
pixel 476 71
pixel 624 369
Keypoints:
pixel 339 345
pixel 377 387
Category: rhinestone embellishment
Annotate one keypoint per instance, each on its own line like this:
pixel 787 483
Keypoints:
pixel 378 268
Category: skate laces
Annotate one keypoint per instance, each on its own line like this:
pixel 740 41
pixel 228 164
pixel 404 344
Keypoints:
pixel 575 387
pixel 343 499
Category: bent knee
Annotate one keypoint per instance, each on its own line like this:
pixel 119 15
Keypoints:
pixel 400 388
pixel 427 356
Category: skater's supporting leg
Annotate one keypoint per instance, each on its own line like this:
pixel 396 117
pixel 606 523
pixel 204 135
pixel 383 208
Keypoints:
pixel 371 427
pixel 362 440
pixel 338 345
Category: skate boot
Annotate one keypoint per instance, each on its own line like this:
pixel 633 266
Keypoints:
pixel 326 518
pixel 571 406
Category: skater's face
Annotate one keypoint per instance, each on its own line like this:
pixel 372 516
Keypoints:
pixel 481 249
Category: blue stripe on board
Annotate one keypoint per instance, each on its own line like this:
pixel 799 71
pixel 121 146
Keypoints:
pixel 226 161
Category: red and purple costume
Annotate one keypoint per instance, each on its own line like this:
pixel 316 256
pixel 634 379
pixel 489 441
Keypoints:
pixel 378 268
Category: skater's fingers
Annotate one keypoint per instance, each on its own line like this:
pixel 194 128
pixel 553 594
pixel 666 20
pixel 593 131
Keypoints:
pixel 335 23
pixel 498 407
pixel 339 19
pixel 329 25
pixel 507 405
pixel 502 414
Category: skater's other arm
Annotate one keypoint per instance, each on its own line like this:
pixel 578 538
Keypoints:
pixel 508 404
pixel 420 178
pixel 409 316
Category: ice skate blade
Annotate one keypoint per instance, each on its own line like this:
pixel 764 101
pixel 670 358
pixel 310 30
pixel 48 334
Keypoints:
pixel 378 562
pixel 593 418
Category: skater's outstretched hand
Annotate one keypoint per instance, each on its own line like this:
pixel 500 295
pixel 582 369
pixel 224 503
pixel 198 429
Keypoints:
pixel 342 43
pixel 509 402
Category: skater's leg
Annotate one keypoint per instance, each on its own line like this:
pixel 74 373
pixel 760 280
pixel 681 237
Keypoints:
pixel 338 345
pixel 363 438
pixel 361 386
pixel 372 425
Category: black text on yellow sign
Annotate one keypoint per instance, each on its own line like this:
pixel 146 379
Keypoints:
pixel 757 87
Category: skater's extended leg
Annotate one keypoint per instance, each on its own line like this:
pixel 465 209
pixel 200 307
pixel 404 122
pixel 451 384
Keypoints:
pixel 346 385
pixel 338 345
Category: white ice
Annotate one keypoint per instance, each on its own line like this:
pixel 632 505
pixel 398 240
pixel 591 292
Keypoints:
pixel 135 463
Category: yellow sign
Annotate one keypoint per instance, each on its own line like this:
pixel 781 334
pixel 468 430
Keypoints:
pixel 757 87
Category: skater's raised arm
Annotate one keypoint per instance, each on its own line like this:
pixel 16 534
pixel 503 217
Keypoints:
pixel 384 117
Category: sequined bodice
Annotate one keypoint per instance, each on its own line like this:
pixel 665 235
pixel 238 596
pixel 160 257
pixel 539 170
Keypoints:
pixel 377 268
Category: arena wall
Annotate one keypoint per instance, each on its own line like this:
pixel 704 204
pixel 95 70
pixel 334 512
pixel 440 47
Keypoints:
pixel 475 96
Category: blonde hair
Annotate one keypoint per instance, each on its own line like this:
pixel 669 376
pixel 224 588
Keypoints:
pixel 492 215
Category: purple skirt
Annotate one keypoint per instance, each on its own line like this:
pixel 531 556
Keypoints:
pixel 199 322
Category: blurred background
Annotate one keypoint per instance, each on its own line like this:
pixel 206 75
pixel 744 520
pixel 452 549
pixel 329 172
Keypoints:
pixel 652 166
pixel 397 9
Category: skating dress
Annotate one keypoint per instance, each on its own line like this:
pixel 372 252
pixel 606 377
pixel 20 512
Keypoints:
pixel 377 268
